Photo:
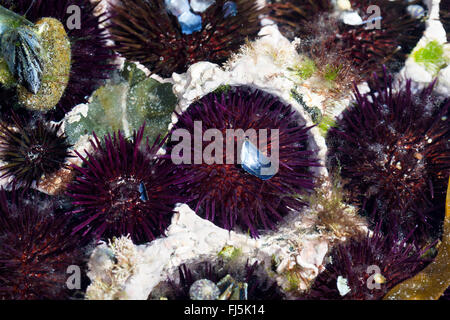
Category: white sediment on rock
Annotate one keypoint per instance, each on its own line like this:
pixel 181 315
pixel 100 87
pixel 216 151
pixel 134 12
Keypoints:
pixel 133 271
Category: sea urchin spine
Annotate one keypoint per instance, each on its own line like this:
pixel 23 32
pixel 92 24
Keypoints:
pixel 227 194
pixel 31 150
pixel 393 152
pixel 145 31
pixel 36 247
pixel 123 188
pixel 366 268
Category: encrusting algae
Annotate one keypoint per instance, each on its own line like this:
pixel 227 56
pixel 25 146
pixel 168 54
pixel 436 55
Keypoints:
pixel 431 282
pixel 56 59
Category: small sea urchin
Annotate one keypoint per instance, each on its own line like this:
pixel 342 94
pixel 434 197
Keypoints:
pixel 123 188
pixel 360 40
pixel 392 150
pixel 145 31
pixel 36 247
pixel 292 16
pixel 221 280
pixel 90 55
pixel 444 15
pixel 227 194
pixel 366 268
pixel 31 150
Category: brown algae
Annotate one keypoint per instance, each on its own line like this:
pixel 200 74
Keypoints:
pixel 431 282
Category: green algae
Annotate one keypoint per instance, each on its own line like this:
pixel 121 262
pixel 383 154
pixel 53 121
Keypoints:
pixel 305 69
pixel 230 253
pixel 326 124
pixel 431 56
pixel 222 89
pixel 6 77
pixel 331 73
pixel 127 101
pixel 323 121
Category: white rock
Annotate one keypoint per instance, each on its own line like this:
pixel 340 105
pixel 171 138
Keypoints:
pixel 351 18
pixel 342 285
pixel 201 5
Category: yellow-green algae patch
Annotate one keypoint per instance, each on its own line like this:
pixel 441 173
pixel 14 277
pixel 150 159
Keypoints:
pixel 431 56
pixel 56 65
pixel 6 77
pixel 431 282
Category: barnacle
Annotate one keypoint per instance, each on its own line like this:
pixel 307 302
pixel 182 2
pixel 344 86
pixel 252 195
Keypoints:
pixel 90 57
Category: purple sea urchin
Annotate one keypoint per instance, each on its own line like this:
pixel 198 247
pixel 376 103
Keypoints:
pixel 36 247
pixel 123 188
pixel 226 193
pixel 146 32
pixel 250 280
pixel 392 150
pixel 90 55
pixel 31 150
pixel 366 268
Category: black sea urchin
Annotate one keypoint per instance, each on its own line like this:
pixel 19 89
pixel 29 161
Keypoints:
pixel 221 280
pixel 392 149
pixel 36 247
pixel 227 194
pixel 366 268
pixel 145 31
pixel 123 188
pixel 367 47
pixel 444 15
pixel 31 150
pixel 293 16
pixel 90 55
pixel 398 34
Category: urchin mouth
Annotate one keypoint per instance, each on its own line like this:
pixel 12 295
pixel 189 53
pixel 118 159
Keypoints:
pixel 35 154
pixel 127 195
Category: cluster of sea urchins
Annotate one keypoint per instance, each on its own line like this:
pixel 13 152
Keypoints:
pixel 377 40
pixel 393 152
pixel 219 280
pixel 224 192
pixel 36 248
pixel 91 58
pixel 31 150
pixel 367 267
pixel 123 188
pixel 152 35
